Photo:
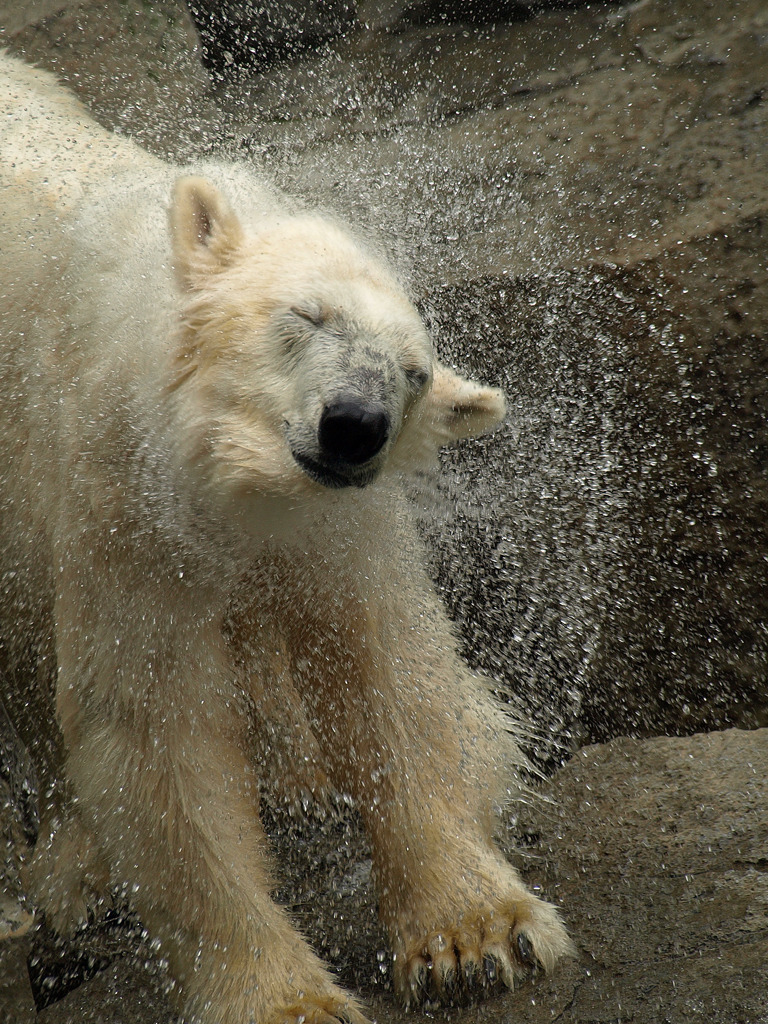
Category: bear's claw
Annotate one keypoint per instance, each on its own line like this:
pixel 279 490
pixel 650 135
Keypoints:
pixel 444 974
pixel 479 954
pixel 525 951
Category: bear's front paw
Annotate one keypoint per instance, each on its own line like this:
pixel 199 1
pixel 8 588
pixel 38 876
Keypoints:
pixel 67 878
pixel 480 951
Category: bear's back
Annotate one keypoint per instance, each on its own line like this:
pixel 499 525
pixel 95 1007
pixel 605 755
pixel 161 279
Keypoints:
pixel 51 149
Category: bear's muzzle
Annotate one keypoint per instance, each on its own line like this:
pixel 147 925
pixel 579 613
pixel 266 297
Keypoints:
pixel 352 431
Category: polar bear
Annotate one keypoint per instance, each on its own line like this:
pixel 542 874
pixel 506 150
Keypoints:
pixel 210 400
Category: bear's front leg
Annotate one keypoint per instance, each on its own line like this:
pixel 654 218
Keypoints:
pixel 416 738
pixel 461 920
pixel 154 729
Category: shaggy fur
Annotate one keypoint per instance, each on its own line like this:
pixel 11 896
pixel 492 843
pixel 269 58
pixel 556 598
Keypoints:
pixel 232 597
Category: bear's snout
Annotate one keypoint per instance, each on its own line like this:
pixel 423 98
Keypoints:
pixel 352 430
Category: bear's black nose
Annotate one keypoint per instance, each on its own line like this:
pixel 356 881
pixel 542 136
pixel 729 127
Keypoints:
pixel 352 431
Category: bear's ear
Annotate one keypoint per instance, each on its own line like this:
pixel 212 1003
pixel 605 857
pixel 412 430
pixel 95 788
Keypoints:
pixel 456 407
pixel 204 231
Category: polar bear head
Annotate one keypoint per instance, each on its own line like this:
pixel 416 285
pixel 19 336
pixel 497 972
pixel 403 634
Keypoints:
pixel 301 362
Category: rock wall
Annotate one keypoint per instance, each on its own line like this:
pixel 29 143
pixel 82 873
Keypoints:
pixel 581 199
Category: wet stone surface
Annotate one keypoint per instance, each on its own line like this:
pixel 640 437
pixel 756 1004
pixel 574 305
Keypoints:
pixel 579 200
pixel 654 849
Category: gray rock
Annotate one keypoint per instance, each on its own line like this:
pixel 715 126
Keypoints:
pixel 581 201
pixel 243 35
pixel 657 850
pixel 589 190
